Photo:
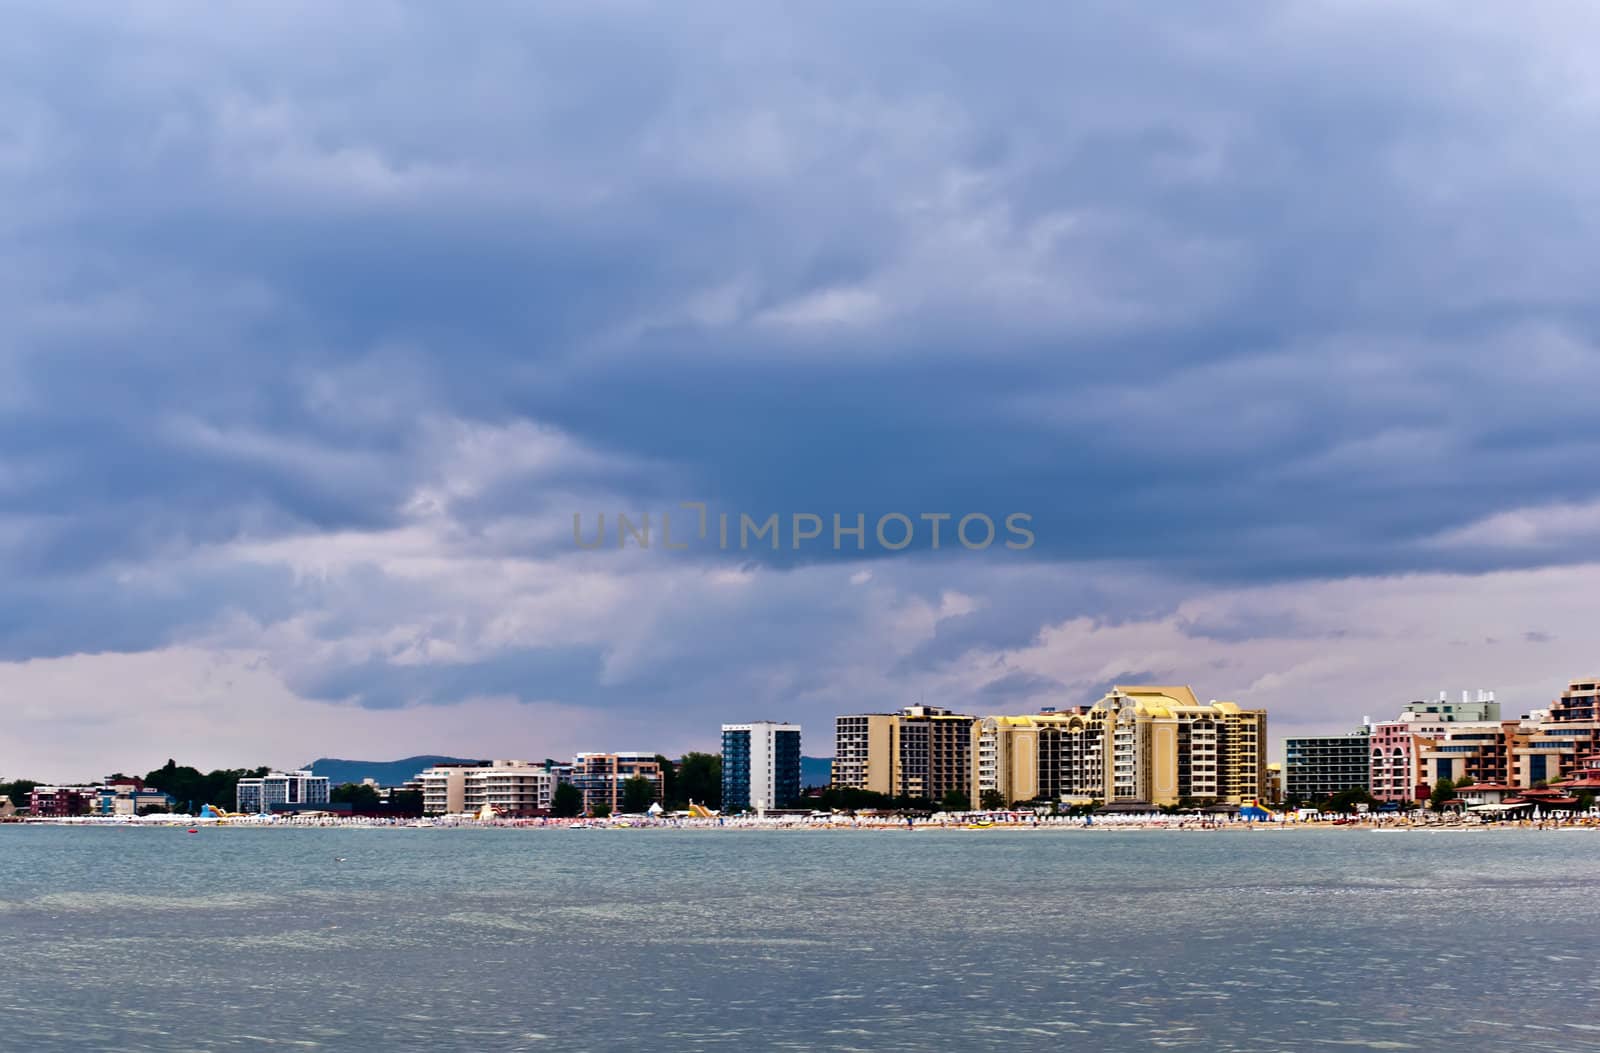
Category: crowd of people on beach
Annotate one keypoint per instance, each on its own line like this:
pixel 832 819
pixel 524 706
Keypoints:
pixel 1006 820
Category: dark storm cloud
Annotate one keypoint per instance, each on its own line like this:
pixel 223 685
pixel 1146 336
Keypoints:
pixel 1236 294
pixel 1005 691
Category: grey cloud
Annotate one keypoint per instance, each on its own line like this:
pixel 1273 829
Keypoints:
pixel 1144 276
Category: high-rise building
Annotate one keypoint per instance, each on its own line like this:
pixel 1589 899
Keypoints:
pixel 760 765
pixel 601 776
pixel 922 752
pixel 1318 766
pixel 511 788
pixel 294 789
pixel 863 752
pixel 1137 746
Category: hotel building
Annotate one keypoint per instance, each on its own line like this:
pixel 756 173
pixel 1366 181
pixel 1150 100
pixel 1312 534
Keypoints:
pixel 130 798
pixel 1395 765
pixel 59 802
pixel 1319 766
pixel 1554 742
pixel 295 788
pixel 863 752
pixel 922 752
pixel 511 788
pixel 1481 751
pixel 1136 747
pixel 601 776
pixel 1444 740
pixel 760 765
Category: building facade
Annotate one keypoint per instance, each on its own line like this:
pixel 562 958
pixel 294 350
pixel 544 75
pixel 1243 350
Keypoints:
pixel 1396 772
pixel 294 788
pixel 1136 747
pixel 60 802
pixel 922 753
pixel 1554 742
pixel 863 752
pixel 601 776
pixel 509 788
pixel 760 765
pixel 1479 750
pixel 132 797
pixel 1318 766
pixel 1470 740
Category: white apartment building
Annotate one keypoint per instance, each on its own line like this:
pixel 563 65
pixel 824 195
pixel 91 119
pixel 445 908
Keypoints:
pixel 258 796
pixel 510 787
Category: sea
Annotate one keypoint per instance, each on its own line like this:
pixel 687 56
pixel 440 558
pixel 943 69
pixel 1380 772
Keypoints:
pixel 542 939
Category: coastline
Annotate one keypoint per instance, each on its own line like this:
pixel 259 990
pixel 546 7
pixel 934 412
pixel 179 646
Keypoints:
pixel 1163 824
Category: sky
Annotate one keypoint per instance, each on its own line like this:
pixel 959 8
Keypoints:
pixel 1278 323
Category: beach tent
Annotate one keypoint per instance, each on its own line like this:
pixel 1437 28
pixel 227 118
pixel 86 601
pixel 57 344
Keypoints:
pixel 1254 812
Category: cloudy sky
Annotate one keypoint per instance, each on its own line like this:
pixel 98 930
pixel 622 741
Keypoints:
pixel 1280 321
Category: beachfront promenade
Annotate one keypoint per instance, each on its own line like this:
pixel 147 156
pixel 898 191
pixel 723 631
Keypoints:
pixel 974 822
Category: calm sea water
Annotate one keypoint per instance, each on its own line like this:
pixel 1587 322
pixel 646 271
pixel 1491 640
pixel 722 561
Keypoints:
pixel 446 940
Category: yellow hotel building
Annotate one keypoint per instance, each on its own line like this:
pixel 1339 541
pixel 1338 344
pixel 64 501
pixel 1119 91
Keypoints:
pixel 1146 746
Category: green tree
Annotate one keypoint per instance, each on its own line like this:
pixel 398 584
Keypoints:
pixel 405 802
pixel 1585 801
pixel 669 783
pixel 358 795
pixel 637 793
pixel 191 789
pixel 566 802
pixel 1347 800
pixel 993 800
pixel 955 800
pixel 601 810
pixel 850 799
pixel 1465 781
pixel 700 779
pixel 20 791
pixel 1443 790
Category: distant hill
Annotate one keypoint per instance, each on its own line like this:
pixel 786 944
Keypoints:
pixel 816 771
pixel 387 773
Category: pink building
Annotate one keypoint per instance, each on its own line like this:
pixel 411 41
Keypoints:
pixel 1398 770
pixel 1395 775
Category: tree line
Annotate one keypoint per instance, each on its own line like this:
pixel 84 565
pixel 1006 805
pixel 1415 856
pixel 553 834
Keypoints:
pixel 189 787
